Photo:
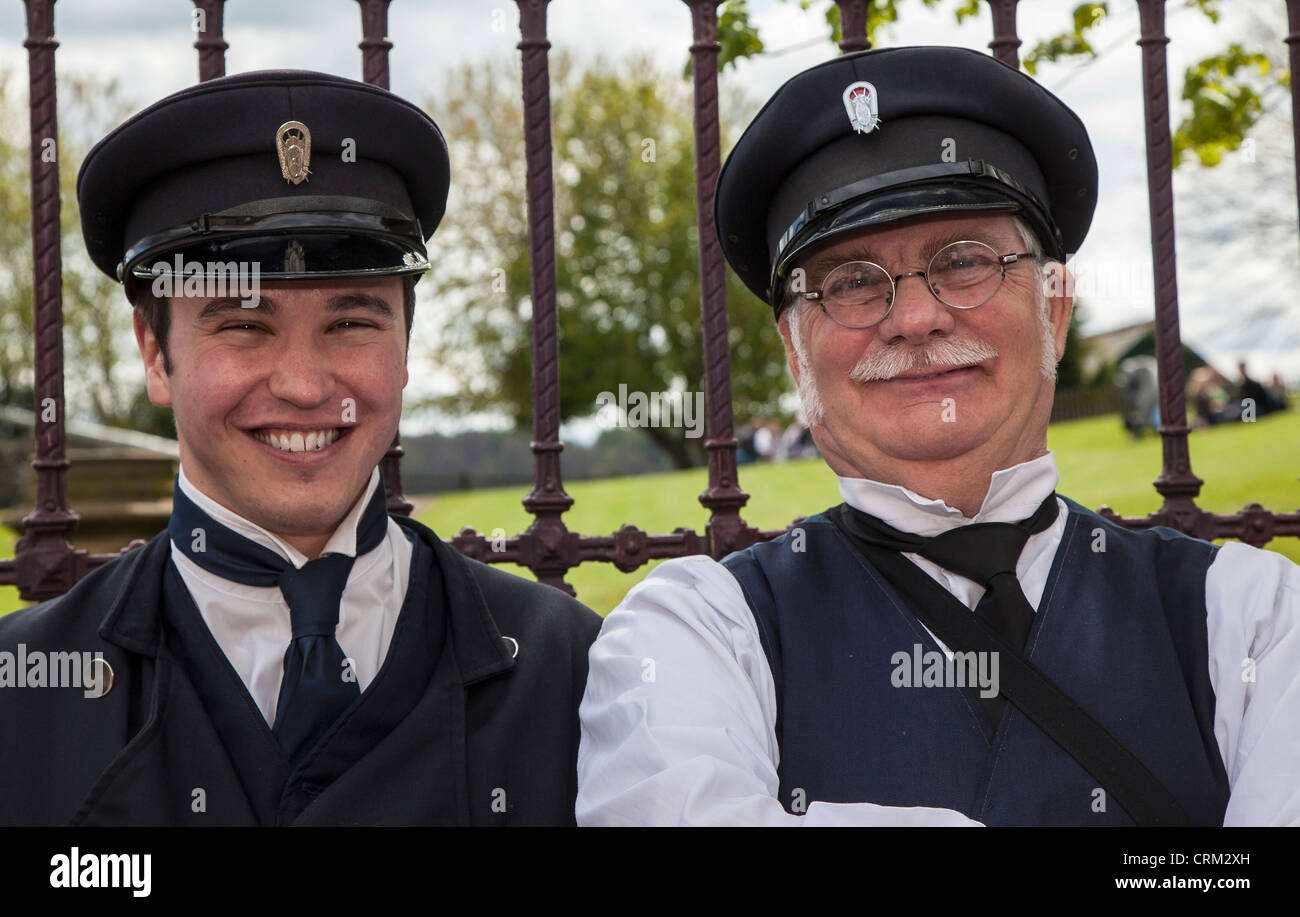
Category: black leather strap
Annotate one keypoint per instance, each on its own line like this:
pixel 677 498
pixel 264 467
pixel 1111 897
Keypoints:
pixel 1147 801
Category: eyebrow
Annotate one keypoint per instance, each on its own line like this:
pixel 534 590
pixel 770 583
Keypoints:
pixel 823 264
pixel 365 301
pixel 265 306
pixel 268 306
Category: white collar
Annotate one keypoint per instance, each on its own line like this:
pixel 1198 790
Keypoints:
pixel 342 541
pixel 1014 494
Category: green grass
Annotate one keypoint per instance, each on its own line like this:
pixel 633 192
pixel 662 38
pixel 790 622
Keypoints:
pixel 656 503
pixel 8 594
pixel 1099 464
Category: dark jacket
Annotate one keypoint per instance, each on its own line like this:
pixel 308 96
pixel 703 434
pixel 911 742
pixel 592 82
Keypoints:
pixel 492 741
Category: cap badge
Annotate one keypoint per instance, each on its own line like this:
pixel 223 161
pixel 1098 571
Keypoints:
pixel 860 103
pixel 293 146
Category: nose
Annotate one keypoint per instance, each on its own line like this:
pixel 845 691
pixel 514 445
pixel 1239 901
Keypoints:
pixel 916 313
pixel 302 375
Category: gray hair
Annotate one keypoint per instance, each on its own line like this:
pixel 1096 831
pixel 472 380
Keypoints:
pixel 809 397
pixel 1039 266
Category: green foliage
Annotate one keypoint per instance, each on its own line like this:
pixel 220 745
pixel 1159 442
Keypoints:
pixel 967 10
pixel 1069 370
pixel 96 318
pixel 143 415
pixel 1224 104
pixel 1209 7
pixel 627 261
pixel 737 37
pixel 1104 377
pixel 1071 43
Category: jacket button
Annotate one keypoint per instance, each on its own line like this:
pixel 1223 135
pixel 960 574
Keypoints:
pixel 514 646
pixel 99 680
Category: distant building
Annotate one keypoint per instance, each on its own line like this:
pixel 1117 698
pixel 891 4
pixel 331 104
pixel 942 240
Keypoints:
pixel 1110 348
pixel 119 481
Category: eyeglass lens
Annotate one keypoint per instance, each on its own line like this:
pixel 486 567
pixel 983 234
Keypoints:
pixel 962 275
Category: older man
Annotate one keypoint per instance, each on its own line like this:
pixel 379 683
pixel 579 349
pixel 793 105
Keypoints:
pixel 286 653
pixel 954 644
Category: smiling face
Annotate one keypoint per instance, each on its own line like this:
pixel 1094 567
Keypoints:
pixel 930 385
pixel 283 410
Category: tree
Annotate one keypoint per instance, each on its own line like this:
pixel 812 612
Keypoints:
pixel 96 319
pixel 626 250
pixel 1222 90
pixel 1069 370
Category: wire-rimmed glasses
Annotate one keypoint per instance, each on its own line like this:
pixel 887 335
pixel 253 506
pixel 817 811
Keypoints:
pixel 963 275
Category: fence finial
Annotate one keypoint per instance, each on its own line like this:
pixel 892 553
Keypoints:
pixel 374 42
pixel 211 43
pixel 853 25
pixel 1005 41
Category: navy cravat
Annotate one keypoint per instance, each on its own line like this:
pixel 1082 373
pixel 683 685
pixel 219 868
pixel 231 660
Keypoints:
pixel 317 687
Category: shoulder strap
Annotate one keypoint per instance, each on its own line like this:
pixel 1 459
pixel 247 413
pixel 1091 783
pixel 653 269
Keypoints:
pixel 1147 801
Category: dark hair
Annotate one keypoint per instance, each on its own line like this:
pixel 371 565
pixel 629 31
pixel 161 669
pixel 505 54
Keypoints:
pixel 157 315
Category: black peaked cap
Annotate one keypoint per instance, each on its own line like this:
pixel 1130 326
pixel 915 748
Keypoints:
pixel 956 130
pixel 199 172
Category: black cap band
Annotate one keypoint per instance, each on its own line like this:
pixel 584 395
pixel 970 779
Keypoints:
pixel 918 191
pixel 286 238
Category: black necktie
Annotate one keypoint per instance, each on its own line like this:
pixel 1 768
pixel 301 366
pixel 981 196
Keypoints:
pixel 985 552
pixel 316 687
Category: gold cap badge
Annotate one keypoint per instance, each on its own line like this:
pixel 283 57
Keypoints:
pixel 293 146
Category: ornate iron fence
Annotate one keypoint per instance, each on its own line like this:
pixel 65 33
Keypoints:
pixel 46 564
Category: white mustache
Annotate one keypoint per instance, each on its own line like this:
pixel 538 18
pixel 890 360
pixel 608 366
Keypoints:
pixel 904 358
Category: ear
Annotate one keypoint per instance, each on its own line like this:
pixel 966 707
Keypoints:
pixel 157 382
pixel 1059 287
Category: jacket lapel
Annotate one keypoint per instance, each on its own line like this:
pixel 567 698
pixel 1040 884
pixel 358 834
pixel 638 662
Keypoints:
pixel 174 770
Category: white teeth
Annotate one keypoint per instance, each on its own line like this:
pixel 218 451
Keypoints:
pixel 312 441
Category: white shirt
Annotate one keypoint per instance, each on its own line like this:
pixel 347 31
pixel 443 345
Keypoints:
pixel 251 623
pixel 679 714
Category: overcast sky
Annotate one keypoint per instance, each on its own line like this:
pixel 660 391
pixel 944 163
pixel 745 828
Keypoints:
pixel 1223 269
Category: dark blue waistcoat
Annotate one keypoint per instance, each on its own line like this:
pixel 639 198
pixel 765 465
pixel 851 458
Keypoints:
pixel 1121 630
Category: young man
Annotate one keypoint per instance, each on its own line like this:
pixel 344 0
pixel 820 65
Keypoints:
pixel 286 653
pixel 907 212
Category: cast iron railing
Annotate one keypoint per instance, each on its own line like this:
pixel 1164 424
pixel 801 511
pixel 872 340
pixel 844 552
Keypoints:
pixel 46 564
